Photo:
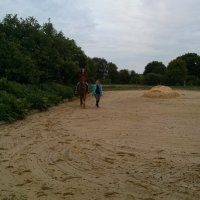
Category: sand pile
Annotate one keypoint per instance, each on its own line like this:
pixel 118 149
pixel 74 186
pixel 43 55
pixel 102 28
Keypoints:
pixel 161 92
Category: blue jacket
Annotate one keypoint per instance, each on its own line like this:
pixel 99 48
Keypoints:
pixel 100 88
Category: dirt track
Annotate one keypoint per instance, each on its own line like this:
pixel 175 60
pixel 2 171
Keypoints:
pixel 131 148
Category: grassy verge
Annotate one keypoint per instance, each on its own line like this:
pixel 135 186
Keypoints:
pixel 17 100
pixel 144 87
pixel 125 87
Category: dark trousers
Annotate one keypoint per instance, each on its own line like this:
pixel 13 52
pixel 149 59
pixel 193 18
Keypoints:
pixel 97 96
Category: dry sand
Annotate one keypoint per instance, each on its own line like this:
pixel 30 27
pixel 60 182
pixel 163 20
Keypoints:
pixel 130 148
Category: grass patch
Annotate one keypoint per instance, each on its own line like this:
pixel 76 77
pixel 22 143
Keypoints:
pixel 114 87
pixel 125 87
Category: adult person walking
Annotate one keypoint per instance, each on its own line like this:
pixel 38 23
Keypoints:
pixel 97 92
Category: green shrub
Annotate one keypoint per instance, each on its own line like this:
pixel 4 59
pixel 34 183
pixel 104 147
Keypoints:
pixel 193 80
pixel 37 98
pixel 153 79
pixel 12 108
pixel 19 90
pixel 58 89
pixel 17 99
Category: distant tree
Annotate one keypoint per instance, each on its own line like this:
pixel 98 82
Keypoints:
pixel 113 74
pixel 153 79
pixel 176 72
pixel 92 70
pixel 155 67
pixel 134 77
pixel 192 61
pixel 102 68
pixel 124 76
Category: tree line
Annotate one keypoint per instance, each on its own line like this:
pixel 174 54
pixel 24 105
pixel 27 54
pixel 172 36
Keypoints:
pixel 31 53
pixel 184 70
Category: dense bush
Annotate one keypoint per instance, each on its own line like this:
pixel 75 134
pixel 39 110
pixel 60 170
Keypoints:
pixel 193 80
pixel 16 100
pixel 38 98
pixel 12 107
pixel 19 90
pixel 58 89
pixel 153 79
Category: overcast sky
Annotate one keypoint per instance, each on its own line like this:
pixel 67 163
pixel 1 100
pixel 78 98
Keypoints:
pixel 129 33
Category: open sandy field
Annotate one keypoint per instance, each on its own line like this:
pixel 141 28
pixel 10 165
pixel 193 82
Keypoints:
pixel 131 148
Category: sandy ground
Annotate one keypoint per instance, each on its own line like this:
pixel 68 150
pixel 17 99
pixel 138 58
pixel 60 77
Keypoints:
pixel 130 148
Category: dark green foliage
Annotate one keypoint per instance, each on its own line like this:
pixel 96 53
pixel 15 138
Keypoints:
pixel 176 72
pixel 38 99
pixel 192 80
pixel 155 67
pixel 16 100
pixel 59 90
pixel 113 74
pixel 31 53
pixel 192 61
pixel 154 73
pixel 103 70
pixel 19 90
pixel 12 108
pixel 134 78
pixel 124 76
pixel 92 70
pixel 153 79
pixel 101 66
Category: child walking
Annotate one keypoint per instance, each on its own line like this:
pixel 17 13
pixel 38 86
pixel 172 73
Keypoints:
pixel 97 92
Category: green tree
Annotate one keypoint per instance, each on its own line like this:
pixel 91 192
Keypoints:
pixel 192 61
pixel 134 77
pixel 124 76
pixel 176 72
pixel 155 67
pixel 92 70
pixel 102 68
pixel 113 74
pixel 31 53
pixel 153 79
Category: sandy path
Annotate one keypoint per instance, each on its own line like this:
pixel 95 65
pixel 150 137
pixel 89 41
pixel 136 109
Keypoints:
pixel 130 148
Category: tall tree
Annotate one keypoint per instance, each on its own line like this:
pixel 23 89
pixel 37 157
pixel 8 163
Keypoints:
pixel 31 53
pixel 176 72
pixel 124 76
pixel 192 61
pixel 102 68
pixel 155 67
pixel 113 73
